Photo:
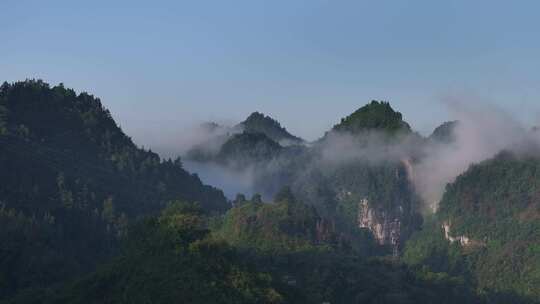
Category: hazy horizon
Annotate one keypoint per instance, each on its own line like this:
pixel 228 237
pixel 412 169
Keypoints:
pixel 163 68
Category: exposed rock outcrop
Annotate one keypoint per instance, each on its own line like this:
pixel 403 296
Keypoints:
pixel 385 228
pixel 461 239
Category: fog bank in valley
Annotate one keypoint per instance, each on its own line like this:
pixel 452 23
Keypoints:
pixel 482 130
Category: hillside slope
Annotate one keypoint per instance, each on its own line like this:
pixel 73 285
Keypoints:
pixel 488 229
pixel 70 183
pixel 174 258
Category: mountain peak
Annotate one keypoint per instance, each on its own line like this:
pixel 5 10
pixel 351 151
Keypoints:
pixel 377 115
pixel 258 115
pixel 257 122
pixel 445 132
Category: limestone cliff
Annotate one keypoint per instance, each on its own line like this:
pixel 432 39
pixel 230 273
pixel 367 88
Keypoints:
pixel 386 228
pixel 392 219
pixel 461 239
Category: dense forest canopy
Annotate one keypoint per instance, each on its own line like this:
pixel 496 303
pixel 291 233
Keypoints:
pixel 72 181
pixel 89 217
pixel 488 229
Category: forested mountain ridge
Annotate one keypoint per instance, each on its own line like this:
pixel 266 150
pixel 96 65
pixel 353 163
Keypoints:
pixel 373 194
pixel 377 115
pixel 259 123
pixel 258 137
pixel 379 197
pixel 488 229
pixel 356 191
pixel 88 217
pixel 79 125
pixel 71 181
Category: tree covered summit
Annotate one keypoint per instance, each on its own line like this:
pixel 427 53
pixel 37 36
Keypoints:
pixel 259 123
pixel 377 115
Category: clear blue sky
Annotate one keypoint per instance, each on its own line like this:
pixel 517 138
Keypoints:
pixel 161 65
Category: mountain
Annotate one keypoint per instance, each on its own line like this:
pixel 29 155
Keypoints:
pixel 371 193
pixel 45 124
pixel 373 116
pixel 487 229
pixel 248 147
pixel 259 132
pixel 259 123
pixel 445 132
pixel 357 193
pixel 71 182
pixel 89 217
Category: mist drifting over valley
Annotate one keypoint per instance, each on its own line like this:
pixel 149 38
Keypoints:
pixel 478 131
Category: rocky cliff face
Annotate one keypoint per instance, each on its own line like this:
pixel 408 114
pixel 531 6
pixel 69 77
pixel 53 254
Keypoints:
pixel 461 239
pixel 386 228
pixel 393 219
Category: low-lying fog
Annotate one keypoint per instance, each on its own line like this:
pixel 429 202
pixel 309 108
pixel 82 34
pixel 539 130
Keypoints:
pixel 483 131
